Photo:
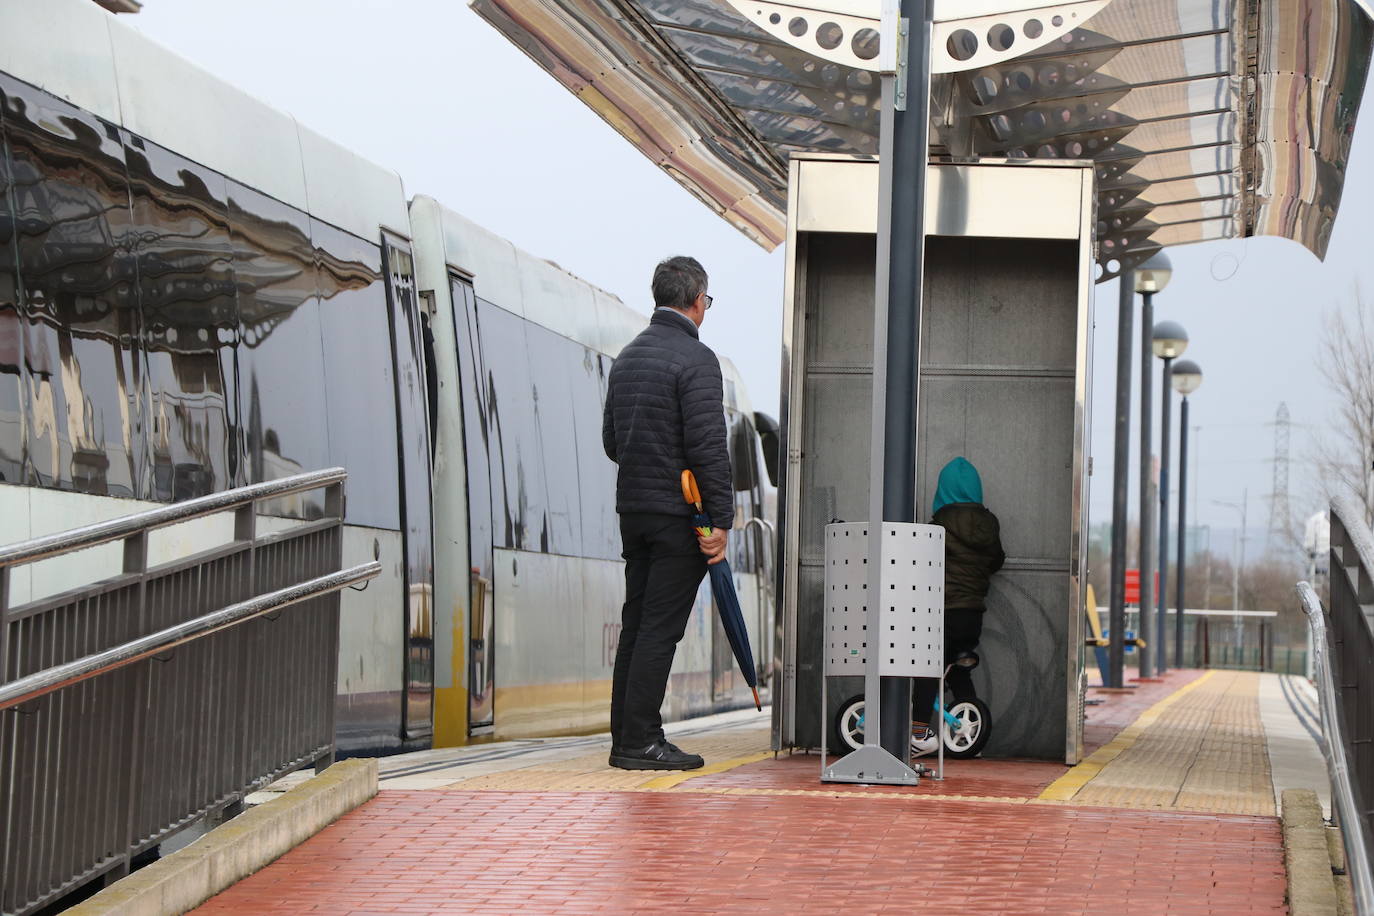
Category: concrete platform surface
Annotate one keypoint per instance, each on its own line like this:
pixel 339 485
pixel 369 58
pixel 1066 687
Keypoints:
pixel 1173 811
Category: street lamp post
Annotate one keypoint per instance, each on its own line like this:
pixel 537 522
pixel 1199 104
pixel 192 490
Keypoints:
pixel 1116 620
pixel 1150 277
pixel 1186 377
pixel 1170 340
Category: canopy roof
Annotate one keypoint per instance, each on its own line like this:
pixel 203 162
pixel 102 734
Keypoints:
pixel 1206 119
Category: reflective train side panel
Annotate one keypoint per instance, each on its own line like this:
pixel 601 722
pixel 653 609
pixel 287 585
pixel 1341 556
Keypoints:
pixel 183 312
pixel 528 575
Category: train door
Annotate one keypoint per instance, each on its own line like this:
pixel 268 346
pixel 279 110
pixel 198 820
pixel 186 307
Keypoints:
pixel 412 422
pixel 481 647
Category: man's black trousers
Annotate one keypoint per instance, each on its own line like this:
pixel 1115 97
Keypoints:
pixel 663 568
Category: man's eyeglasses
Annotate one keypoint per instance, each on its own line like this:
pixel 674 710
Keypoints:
pixel 708 300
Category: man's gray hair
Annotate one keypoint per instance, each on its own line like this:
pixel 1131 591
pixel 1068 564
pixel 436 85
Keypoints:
pixel 677 282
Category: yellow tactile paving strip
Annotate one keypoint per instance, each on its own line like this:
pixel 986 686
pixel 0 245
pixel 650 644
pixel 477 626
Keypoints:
pixel 589 772
pixel 1200 750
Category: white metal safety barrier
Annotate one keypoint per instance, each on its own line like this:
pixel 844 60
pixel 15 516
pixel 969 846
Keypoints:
pixel 905 637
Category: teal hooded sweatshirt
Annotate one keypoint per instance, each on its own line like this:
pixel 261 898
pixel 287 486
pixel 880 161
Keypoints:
pixel 959 483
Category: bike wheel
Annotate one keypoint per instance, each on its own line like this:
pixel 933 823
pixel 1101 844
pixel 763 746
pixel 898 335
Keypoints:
pixel 973 731
pixel 849 725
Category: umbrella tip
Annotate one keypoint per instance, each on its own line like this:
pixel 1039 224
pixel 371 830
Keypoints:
pixel 757 704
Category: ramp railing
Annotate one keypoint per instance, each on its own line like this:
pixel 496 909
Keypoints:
pixel 1343 648
pixel 133 706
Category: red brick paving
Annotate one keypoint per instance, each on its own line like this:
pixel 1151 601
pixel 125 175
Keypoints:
pixel 985 778
pixel 450 852
pixel 995 778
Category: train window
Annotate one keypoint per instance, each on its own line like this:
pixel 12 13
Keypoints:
pixel 519 507
pixel 472 384
pixel 555 367
pixel 281 360
pixel 770 439
pixel 600 523
pixel 359 383
pixel 189 325
pixel 743 460
pixel 431 383
pixel 11 331
pixel 78 304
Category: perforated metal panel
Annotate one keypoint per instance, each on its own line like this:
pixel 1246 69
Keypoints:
pixel 912 581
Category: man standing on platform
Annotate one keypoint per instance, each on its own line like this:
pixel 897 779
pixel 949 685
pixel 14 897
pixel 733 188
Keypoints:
pixel 664 414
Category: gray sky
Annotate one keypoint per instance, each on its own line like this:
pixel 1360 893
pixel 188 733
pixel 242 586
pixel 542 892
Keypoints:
pixel 428 89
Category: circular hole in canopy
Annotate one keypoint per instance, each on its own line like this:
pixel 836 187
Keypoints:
pixel 1057 21
pixel 1074 149
pixel 1114 265
pixel 1001 36
pixel 962 44
pixel 1021 79
pixel 865 44
pixel 829 35
pixel 1033 28
pixel 1047 152
pixel 1033 121
pixel 797 26
pixel 775 19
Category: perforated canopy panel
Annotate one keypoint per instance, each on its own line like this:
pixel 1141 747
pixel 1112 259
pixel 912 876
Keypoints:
pixel 1206 119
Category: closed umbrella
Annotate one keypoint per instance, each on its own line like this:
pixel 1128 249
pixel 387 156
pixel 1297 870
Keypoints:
pixel 723 588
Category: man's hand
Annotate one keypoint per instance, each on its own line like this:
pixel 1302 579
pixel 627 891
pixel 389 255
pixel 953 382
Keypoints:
pixel 713 545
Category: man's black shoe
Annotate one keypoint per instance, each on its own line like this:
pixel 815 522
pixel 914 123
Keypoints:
pixel 658 756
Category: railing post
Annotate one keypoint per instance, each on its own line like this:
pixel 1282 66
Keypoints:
pixel 245 529
pixel 5 749
pixel 135 563
pixel 4 622
pixel 335 505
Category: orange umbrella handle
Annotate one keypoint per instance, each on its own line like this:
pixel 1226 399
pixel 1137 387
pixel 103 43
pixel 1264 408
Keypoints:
pixel 690 493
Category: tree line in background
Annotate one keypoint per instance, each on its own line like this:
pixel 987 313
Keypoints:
pixel 1265 583
pixel 1344 454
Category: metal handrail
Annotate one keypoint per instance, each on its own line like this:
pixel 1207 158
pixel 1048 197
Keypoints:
pixel 55 678
pixel 116 529
pixel 766 584
pixel 1338 769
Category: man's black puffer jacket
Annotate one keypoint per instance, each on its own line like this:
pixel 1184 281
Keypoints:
pixel 665 414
